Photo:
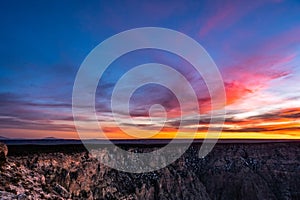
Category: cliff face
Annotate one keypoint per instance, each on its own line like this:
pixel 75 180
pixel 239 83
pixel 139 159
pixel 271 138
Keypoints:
pixel 230 171
pixel 3 153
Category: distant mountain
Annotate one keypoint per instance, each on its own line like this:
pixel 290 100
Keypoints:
pixel 50 138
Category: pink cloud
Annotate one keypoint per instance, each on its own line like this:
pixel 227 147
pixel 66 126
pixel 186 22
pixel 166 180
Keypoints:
pixel 226 14
pixel 223 13
pixel 268 61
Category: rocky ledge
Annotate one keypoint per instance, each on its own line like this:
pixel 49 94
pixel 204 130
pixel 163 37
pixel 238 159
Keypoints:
pixel 230 171
pixel 3 153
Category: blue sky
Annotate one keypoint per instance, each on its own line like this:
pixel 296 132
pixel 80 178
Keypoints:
pixel 255 45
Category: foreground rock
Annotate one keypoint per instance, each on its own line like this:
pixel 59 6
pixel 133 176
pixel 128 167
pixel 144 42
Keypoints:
pixel 3 153
pixel 230 171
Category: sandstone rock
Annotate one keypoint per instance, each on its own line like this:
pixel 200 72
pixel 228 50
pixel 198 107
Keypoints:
pixel 3 153
pixel 230 171
pixel 62 191
pixel 7 195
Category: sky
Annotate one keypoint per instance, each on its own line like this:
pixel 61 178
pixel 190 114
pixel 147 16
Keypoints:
pixel 255 45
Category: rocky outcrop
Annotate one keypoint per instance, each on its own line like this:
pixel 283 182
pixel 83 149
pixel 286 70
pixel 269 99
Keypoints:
pixel 3 153
pixel 230 171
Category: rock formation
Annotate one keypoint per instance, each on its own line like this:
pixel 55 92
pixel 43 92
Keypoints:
pixel 230 171
pixel 3 153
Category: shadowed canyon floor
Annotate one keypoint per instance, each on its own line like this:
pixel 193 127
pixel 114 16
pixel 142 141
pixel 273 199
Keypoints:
pixel 230 171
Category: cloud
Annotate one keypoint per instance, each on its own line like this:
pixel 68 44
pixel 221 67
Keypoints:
pixel 288 113
pixel 19 112
pixel 224 14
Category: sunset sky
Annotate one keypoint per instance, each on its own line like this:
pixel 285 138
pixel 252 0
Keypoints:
pixel 255 44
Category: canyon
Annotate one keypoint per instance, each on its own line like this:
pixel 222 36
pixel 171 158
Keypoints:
pixel 229 171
